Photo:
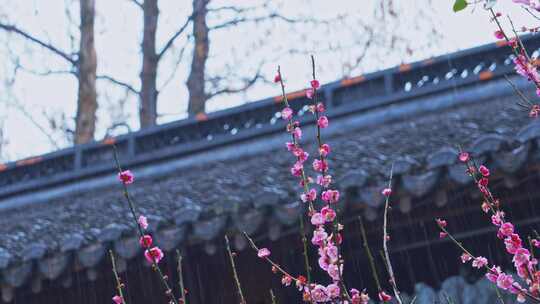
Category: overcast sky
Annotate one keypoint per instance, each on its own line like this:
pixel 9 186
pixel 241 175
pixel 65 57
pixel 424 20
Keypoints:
pixel 118 27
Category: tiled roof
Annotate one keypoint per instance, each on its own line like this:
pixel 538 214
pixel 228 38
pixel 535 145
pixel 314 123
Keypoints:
pixel 194 199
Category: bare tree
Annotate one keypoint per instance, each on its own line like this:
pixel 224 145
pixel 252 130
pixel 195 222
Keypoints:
pixel 196 79
pixel 150 60
pixel 83 65
pixel 86 72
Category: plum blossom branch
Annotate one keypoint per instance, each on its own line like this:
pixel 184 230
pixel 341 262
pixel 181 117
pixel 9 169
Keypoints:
pixel 119 298
pixel 305 249
pixel 273 297
pixel 524 262
pixel 235 274
pixel 181 278
pixel 152 254
pixel 524 65
pixel 368 253
pixel 387 192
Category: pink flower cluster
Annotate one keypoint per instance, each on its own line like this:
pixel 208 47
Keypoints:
pixel 526 69
pixel 152 254
pixel 525 264
pixel 326 239
pixel 534 4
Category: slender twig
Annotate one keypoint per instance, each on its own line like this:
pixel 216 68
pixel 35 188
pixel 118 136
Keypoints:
pixel 324 172
pixel 13 29
pixel 517 91
pixel 385 242
pixel 274 264
pixel 155 266
pixel 303 175
pixel 305 250
pixel 181 278
pixel 235 274
pixel 273 297
pixel 119 284
pixel 369 255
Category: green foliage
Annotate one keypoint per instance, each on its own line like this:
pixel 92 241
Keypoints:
pixel 459 5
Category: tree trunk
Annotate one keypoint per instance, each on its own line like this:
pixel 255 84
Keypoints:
pixel 196 79
pixel 86 72
pixel 148 93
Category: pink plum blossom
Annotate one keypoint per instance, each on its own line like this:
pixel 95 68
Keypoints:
pixel 464 157
pixel 320 165
pixel 322 122
pixel 118 299
pixel 309 93
pixel 328 214
pixel 126 177
pixel 320 107
pixel 465 257
pixel 145 241
pixel 153 255
pixel 296 169
pixel 143 222
pixel 286 280
pixel 324 150
pixel 333 291
pixel 383 296
pixel 324 181
pixel 317 219
pixel 319 294
pixel 310 196
pixel 263 253
pixel 484 171
pixel 286 113
pixel 319 236
pixel 479 262
pixel 330 196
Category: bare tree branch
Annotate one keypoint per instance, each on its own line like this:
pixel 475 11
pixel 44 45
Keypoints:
pixel 139 4
pixel 176 64
pixel 232 8
pixel 47 72
pixel 248 84
pixel 71 21
pixel 240 20
pixel 119 83
pixel 29 116
pixel 48 46
pixel 171 40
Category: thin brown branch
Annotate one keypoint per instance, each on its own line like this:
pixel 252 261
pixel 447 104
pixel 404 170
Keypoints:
pixel 171 40
pixel 385 242
pixel 235 274
pixel 231 8
pixel 176 64
pixel 248 84
pixel 305 250
pixel 181 278
pixel 518 92
pixel 48 46
pixel 32 120
pixel 119 83
pixel 137 3
pixel 131 205
pixel 273 297
pixel 368 253
pixel 271 16
pixel 119 284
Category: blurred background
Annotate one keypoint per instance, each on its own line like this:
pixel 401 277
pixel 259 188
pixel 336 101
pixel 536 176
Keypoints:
pixel 157 61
